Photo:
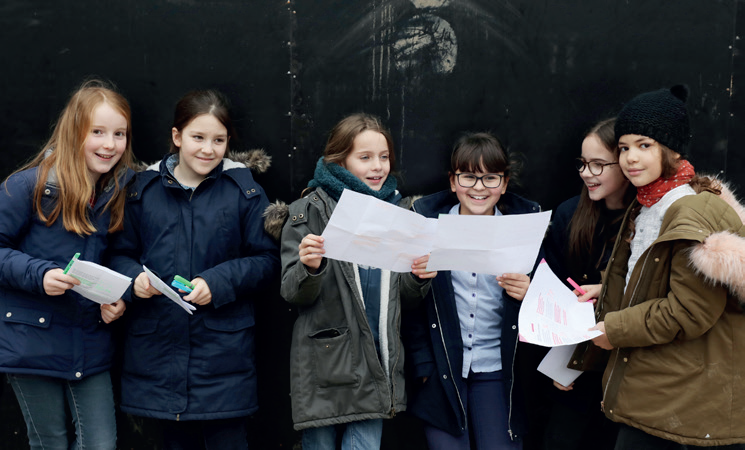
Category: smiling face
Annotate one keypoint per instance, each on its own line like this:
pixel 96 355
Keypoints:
pixel 610 186
pixel 202 144
pixel 106 140
pixel 477 200
pixel 640 159
pixel 369 159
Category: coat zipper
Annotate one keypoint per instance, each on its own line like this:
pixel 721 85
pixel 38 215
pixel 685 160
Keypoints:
pixel 447 358
pixel 631 299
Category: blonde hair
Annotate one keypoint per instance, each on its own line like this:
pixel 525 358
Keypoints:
pixel 64 154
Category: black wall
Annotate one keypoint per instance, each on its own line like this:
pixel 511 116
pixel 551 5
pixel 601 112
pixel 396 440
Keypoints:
pixel 536 73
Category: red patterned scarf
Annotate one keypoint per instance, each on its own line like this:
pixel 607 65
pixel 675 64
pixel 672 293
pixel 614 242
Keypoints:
pixel 652 193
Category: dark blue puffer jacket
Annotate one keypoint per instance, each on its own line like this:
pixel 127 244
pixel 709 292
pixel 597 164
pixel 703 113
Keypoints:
pixel 58 336
pixel 433 340
pixel 194 367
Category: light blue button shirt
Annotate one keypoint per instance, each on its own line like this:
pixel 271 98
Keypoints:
pixel 478 298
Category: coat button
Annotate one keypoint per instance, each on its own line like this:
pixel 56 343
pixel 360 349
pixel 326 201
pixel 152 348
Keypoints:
pixel 170 181
pixel 253 190
pixel 47 192
pixel 514 327
pixel 42 320
pixel 575 362
pixel 657 260
pixel 626 360
pixel 315 198
pixel 8 314
pixel 300 216
pixel 294 218
pixel 78 374
pixel 247 191
pixel 434 325
pixel 444 377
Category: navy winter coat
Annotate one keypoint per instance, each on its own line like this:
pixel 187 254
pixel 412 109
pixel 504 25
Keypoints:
pixel 433 339
pixel 194 367
pixel 58 336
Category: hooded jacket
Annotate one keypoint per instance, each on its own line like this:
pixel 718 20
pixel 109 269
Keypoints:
pixel 336 374
pixel 60 336
pixel 202 366
pixel 679 330
pixel 435 346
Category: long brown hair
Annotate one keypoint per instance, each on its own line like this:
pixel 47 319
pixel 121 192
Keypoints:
pixel 586 216
pixel 63 153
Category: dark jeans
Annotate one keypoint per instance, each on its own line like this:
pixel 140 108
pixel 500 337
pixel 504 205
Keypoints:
pixel 487 417
pixel 44 401
pixel 630 438
pixel 221 434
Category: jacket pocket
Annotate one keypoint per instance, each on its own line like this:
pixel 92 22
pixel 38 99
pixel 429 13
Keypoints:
pixel 227 346
pixel 143 352
pixel 35 318
pixel 333 358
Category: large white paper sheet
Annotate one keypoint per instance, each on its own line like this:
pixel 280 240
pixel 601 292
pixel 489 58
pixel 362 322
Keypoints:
pixel 98 283
pixel 166 290
pixel 551 315
pixel 554 365
pixel 368 231
pixel 488 244
pixel 371 232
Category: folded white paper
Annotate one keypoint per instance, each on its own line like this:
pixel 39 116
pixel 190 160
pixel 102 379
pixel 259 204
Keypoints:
pixel 97 283
pixel 550 314
pixel 166 290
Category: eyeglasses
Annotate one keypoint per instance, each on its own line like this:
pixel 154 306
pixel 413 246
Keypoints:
pixel 469 180
pixel 596 167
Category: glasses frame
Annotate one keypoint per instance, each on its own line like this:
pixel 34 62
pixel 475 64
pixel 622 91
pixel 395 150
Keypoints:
pixel 481 178
pixel 586 165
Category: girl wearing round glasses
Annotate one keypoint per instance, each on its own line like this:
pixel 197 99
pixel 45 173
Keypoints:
pixel 578 245
pixel 462 339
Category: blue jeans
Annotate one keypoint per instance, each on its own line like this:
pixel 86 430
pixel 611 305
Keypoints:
pixel 487 417
pixel 361 435
pixel 44 400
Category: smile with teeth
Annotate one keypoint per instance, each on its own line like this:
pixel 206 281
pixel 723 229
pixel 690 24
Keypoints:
pixel 478 197
pixel 104 156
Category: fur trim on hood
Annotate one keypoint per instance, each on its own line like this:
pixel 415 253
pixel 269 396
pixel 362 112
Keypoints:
pixel 256 160
pixel 275 216
pixel 720 258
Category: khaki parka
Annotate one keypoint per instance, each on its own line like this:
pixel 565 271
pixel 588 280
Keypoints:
pixel 678 367
pixel 336 374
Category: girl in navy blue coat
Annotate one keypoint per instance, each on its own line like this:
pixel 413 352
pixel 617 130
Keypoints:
pixel 196 214
pixel 462 341
pixel 55 345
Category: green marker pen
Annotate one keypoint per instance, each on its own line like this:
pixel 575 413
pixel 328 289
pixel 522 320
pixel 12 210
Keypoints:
pixel 184 281
pixel 74 258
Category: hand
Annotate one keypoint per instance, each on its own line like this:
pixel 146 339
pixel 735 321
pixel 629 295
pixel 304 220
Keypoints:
pixel 602 340
pixel 110 313
pixel 515 284
pixel 311 252
pixel 592 292
pixel 201 294
pixel 143 288
pixel 561 387
pixel 419 268
pixel 56 282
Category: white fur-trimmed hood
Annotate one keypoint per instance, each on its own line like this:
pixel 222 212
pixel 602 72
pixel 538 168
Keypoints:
pixel 721 257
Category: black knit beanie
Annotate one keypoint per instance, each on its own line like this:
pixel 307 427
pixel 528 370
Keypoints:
pixel 660 115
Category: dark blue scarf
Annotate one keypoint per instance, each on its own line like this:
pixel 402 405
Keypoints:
pixel 333 179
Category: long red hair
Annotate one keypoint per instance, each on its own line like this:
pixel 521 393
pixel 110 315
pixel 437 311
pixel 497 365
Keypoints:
pixel 63 153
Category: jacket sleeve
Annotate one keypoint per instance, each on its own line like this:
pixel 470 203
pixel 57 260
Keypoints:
pixel 233 279
pixel 126 247
pixel 692 306
pixel 19 270
pixel 413 289
pixel 299 287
